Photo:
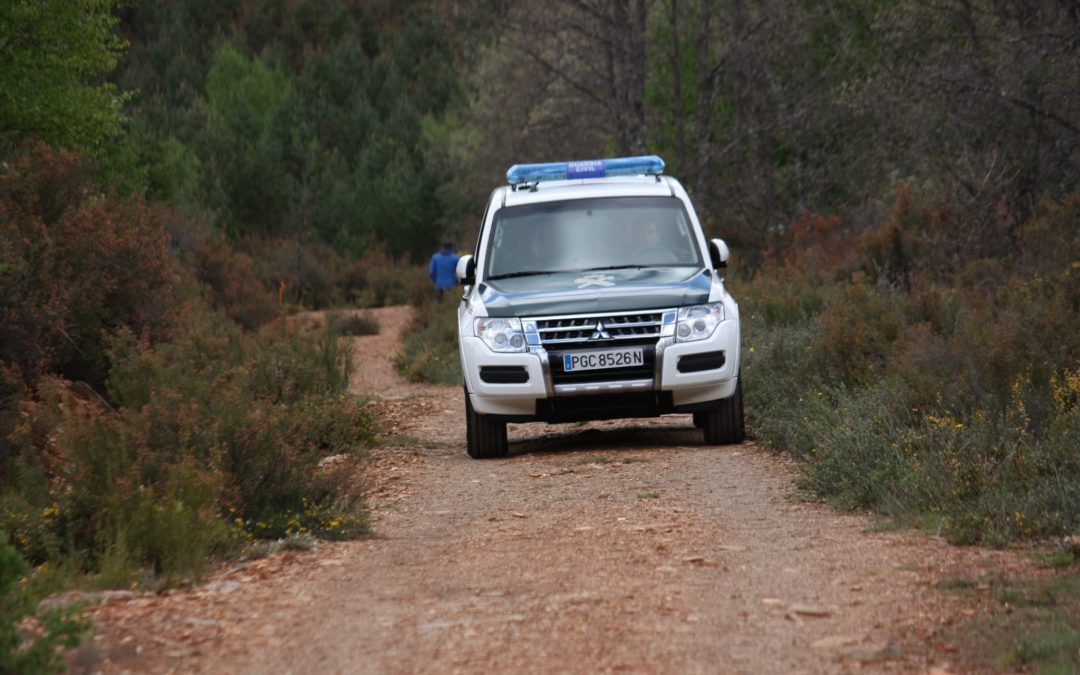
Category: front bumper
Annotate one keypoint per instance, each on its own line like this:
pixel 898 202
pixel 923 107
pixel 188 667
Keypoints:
pixel 670 387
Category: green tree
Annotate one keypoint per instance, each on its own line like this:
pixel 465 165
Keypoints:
pixel 240 146
pixel 303 121
pixel 52 56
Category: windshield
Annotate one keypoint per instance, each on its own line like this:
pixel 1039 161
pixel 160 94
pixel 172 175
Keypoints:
pixel 591 234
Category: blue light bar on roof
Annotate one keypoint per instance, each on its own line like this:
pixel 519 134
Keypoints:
pixel 649 165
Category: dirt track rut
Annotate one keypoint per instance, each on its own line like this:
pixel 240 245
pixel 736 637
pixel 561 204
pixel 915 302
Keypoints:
pixel 607 547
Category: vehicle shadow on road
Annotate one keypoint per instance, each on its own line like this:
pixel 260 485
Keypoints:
pixel 624 438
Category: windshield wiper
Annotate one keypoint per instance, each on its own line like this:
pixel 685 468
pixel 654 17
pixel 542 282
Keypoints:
pixel 613 267
pixel 525 273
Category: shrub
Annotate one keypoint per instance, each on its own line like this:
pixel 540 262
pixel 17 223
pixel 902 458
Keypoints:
pixel 380 281
pixel 233 286
pixel 12 392
pixel 150 415
pixel 942 393
pixel 224 277
pixel 860 329
pixel 429 352
pixel 172 524
pixel 355 324
pixel 73 263
pixel 58 629
pixel 215 436
pixel 779 383
pixel 307 274
pixel 315 276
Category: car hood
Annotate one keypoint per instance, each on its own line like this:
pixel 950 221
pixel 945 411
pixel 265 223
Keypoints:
pixel 594 292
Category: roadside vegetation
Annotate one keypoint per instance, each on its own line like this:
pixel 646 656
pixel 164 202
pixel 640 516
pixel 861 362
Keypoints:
pixel 429 352
pixel 935 387
pixel 143 430
pixel 1031 625
pixel 56 629
pixel 168 200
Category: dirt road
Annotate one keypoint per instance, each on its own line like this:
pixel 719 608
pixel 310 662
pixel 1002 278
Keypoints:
pixel 621 546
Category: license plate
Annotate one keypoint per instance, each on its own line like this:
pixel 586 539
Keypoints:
pixel 604 358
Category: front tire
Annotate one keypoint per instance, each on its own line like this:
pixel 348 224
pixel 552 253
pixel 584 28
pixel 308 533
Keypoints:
pixel 485 436
pixel 725 424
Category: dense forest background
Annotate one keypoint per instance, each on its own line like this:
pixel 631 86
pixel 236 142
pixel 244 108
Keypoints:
pixel 360 124
pixel 897 181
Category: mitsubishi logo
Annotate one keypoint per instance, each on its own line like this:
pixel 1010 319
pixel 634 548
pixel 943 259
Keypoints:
pixel 599 333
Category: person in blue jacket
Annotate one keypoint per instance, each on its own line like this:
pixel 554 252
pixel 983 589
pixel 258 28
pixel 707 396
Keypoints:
pixel 442 268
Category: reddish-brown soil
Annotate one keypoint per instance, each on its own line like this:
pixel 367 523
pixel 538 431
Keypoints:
pixel 623 546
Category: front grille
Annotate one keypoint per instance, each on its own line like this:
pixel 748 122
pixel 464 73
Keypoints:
pixel 573 331
pixel 560 335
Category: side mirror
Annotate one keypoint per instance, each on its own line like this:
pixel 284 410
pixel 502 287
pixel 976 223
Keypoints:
pixel 466 270
pixel 718 252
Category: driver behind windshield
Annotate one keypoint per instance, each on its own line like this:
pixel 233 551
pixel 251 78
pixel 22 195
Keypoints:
pixel 647 234
pixel 540 248
pixel 648 241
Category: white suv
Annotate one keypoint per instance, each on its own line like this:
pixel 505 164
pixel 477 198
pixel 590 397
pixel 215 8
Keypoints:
pixel 594 295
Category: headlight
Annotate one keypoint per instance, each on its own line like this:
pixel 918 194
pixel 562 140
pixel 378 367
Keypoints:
pixel 698 322
pixel 500 335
